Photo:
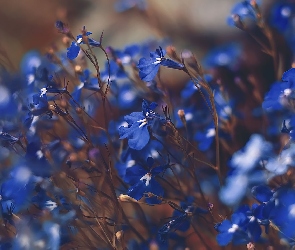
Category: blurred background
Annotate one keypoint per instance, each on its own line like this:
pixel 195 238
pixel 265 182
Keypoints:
pixel 29 24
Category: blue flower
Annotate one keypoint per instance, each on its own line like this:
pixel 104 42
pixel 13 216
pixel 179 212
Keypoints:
pixel 88 81
pixel 255 150
pixel 234 230
pixel 205 138
pixel 123 5
pixel 191 88
pixel 281 94
pixel 143 181
pixel 18 188
pixel 225 55
pixel 40 104
pixel 284 212
pixel 243 10
pixel 281 16
pixel 137 131
pixel 130 156
pixel 127 55
pixel 148 68
pixel 74 49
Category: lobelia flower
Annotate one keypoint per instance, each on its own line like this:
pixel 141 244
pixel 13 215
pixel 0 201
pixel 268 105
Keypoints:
pixel 148 68
pixel 205 137
pixel 284 212
pixel 137 131
pixel 40 104
pixel 233 231
pixel 74 49
pixel 264 212
pixel 142 180
pixel 281 94
pixel 181 218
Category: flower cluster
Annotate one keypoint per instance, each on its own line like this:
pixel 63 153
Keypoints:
pixel 123 156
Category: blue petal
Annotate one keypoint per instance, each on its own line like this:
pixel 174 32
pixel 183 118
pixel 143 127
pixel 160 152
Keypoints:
pixel 224 238
pixel 289 76
pixel 172 64
pixel 133 174
pixel 150 162
pixel 134 117
pixel 73 51
pixel 137 190
pixel 224 226
pixel 137 136
pixel 262 193
pixel 147 69
pixel 140 138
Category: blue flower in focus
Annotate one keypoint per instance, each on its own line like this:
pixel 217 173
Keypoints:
pixel 137 131
pixel 74 49
pixel 148 68
pixel 239 230
pixel 40 104
pixel 130 157
pixel 142 181
pixel 281 94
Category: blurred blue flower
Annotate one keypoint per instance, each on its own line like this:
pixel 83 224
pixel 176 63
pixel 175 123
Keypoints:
pixel 255 150
pixel 281 15
pixel 123 5
pixel 226 55
pixel 205 137
pixel 244 10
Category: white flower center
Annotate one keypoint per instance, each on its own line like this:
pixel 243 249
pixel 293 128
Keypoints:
pixel 39 154
pixel 50 205
pixel 292 211
pixel 43 92
pixel 4 95
pixel 147 177
pixel 143 122
pixel 223 59
pixel 158 60
pixel 128 95
pixel 286 12
pixel 210 132
pixel 188 116
pixel 287 92
pixel 154 153
pixel 233 228
pixel 130 163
